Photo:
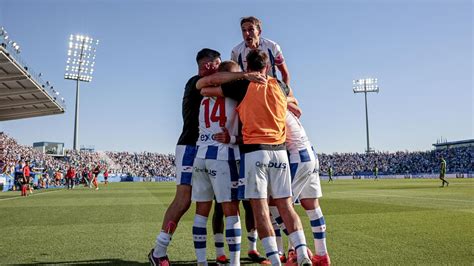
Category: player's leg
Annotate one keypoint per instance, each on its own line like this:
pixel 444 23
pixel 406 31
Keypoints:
pixel 280 187
pixel 318 227
pixel 200 230
pixel 233 230
pixel 254 174
pixel 277 224
pixel 265 229
pixel 180 204
pixel 218 231
pixel 225 185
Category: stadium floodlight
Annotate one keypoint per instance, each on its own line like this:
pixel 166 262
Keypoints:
pixel 80 67
pixel 366 85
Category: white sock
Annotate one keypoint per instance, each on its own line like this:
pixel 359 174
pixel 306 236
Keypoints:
pixel 200 237
pixel 233 235
pixel 252 237
pixel 318 226
pixel 219 244
pixel 278 238
pixel 299 242
pixel 161 247
pixel 274 212
pixel 271 250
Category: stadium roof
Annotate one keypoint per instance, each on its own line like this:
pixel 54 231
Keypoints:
pixel 453 144
pixel 22 94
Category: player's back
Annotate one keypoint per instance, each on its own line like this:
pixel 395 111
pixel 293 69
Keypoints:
pixel 297 142
pixel 214 114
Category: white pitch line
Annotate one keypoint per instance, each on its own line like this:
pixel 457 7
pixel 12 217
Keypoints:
pixel 408 197
pixel 34 194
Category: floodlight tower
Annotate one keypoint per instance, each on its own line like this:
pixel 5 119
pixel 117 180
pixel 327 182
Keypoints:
pixel 366 85
pixel 80 67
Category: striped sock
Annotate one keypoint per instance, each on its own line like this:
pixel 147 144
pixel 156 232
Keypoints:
pixel 318 226
pixel 278 238
pixel 199 237
pixel 274 212
pixel 271 250
pixel 299 242
pixel 219 244
pixel 252 237
pixel 162 242
pixel 233 234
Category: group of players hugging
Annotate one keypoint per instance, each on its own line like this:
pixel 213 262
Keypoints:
pixel 242 141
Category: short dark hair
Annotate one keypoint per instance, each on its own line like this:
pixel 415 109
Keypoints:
pixel 207 53
pixel 227 66
pixel 255 21
pixel 256 60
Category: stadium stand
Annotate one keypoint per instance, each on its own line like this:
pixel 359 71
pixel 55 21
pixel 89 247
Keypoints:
pixel 148 164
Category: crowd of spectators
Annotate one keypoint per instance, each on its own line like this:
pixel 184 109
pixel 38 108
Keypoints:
pixel 459 160
pixel 144 164
pixel 147 164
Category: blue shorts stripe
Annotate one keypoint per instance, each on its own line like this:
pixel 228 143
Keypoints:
pixel 319 235
pixel 234 247
pixel 186 178
pixel 293 168
pixel 304 156
pixel 233 232
pixel 199 231
pixel 199 244
pixel 189 155
pixel 241 189
pixel 231 154
pixel 317 222
pixel 211 152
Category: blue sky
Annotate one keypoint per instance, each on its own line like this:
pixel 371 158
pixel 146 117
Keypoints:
pixel 420 51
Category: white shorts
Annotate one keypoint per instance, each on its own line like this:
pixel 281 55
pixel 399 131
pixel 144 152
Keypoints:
pixel 184 163
pixel 264 173
pixel 214 178
pixel 305 180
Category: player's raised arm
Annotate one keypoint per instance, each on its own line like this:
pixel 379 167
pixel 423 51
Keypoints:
pixel 285 74
pixel 224 77
pixel 212 92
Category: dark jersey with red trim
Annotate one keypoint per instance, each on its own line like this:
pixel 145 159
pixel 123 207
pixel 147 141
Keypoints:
pixel 190 110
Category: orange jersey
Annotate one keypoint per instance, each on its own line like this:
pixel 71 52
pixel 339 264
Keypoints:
pixel 262 112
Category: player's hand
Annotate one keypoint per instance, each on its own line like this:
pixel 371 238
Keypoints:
pixel 292 107
pixel 256 77
pixel 222 137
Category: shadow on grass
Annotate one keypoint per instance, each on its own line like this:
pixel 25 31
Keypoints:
pixel 120 262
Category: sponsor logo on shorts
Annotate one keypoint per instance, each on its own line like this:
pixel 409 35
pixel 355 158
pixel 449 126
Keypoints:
pixel 211 172
pixel 271 165
pixel 187 168
pixel 206 137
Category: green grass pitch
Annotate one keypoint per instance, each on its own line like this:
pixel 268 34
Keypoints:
pixel 385 222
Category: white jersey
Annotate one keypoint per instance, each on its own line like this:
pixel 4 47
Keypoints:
pixel 273 50
pixel 297 143
pixel 215 113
